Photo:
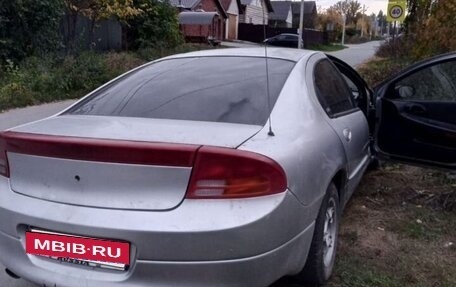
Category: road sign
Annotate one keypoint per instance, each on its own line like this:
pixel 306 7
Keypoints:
pixel 396 10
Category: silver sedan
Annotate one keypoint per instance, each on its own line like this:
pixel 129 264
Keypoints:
pixel 214 168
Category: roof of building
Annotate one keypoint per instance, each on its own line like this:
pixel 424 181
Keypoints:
pixel 281 10
pixel 187 4
pixel 226 4
pixel 192 4
pixel 309 7
pixel 196 18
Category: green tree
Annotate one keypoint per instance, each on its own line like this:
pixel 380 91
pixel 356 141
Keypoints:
pixel 29 27
pixel 156 26
pixel 95 11
pixel 98 10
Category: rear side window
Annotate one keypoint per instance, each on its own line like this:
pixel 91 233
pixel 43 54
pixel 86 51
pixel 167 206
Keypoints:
pixel 215 89
pixel 331 88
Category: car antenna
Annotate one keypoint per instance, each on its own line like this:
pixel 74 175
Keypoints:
pixel 270 132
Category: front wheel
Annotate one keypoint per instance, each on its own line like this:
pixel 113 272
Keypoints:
pixel 322 254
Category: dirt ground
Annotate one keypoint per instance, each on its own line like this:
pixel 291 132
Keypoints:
pixel 399 229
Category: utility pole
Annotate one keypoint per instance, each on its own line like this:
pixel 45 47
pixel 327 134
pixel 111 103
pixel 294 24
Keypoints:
pixel 301 26
pixel 344 19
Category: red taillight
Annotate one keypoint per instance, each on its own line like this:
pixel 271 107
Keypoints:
pixel 4 170
pixel 227 173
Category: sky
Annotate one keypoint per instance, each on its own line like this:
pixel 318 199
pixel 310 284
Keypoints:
pixel 372 6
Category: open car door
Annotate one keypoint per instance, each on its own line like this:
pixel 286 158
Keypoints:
pixel 416 114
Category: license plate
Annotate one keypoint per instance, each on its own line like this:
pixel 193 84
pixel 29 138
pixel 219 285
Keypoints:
pixel 78 250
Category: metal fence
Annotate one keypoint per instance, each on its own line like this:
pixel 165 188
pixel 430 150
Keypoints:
pixel 107 34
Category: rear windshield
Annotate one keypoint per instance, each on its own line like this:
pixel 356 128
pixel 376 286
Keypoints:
pixel 215 89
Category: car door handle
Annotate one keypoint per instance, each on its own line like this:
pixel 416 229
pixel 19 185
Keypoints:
pixel 415 109
pixel 347 134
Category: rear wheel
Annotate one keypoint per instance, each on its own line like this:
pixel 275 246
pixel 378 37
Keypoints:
pixel 322 254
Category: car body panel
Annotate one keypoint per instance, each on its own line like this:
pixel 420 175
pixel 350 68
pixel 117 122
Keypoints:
pixel 255 271
pixel 142 129
pixel 98 184
pixel 299 126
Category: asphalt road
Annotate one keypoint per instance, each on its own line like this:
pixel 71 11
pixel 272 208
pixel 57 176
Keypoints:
pixel 354 55
pixel 357 54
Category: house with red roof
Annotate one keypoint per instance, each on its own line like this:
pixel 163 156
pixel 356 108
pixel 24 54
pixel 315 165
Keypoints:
pixel 201 20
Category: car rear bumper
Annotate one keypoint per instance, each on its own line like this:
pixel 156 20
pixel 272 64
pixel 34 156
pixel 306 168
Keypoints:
pixel 260 270
pixel 245 242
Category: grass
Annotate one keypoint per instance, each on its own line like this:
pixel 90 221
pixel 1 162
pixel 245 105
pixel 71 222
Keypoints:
pixel 54 78
pixel 391 235
pixel 395 234
pixel 326 48
pixel 354 271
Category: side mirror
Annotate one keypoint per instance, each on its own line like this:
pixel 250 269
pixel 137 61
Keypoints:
pixel 405 92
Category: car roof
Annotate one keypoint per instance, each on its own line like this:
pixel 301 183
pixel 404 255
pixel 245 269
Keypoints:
pixel 278 53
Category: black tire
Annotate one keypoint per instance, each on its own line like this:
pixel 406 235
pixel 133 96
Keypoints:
pixel 318 269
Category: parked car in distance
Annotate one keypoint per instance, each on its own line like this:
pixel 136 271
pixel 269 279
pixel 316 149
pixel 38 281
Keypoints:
pixel 283 40
pixel 206 169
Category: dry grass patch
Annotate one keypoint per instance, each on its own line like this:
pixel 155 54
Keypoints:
pixel 399 230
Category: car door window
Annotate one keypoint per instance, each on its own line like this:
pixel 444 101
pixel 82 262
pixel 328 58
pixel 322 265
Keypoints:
pixel 332 90
pixel 415 112
pixel 434 83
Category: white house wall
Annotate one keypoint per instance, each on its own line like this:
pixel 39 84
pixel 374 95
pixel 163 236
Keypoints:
pixel 289 19
pixel 254 13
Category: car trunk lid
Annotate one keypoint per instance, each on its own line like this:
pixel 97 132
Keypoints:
pixel 123 163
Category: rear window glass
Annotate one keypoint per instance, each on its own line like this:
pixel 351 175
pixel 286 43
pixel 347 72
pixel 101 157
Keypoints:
pixel 215 89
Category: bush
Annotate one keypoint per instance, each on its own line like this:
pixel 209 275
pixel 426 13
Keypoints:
pixel 157 26
pixel 150 54
pixel 378 70
pixel 53 78
pixel 357 40
pixel 29 27
pixel 400 47
pixel 15 95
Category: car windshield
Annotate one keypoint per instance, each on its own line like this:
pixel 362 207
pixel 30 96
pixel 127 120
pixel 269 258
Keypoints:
pixel 215 89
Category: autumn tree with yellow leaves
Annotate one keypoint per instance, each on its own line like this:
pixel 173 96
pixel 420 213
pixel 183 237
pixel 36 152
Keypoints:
pixel 431 25
pixel 95 11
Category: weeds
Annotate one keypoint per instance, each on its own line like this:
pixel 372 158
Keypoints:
pixel 55 77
